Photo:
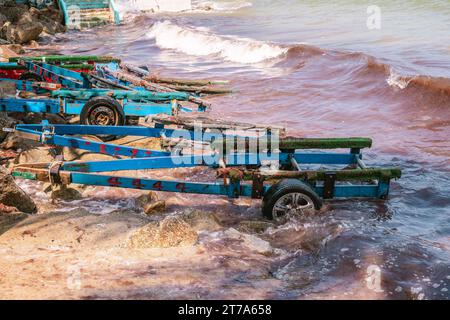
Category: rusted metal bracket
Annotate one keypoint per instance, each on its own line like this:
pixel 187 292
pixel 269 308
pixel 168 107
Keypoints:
pixel 53 171
pixel 328 185
pixel 257 186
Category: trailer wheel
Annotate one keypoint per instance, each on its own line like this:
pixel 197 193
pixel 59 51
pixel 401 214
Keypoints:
pixel 102 111
pixel 31 76
pixel 290 197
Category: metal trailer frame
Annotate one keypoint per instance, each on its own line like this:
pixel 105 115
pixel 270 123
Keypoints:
pixel 133 103
pixel 13 69
pixel 84 79
pixel 242 175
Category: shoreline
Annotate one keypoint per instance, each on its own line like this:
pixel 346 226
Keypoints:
pixel 81 248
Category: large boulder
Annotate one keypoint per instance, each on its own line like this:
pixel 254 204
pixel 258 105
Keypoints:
pixel 14 12
pixel 62 192
pixel 14 142
pixel 3 19
pixel 202 221
pixel 12 195
pixel 39 154
pixel 170 232
pixel 23 32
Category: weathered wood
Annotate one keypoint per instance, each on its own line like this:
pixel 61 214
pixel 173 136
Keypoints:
pixel 135 70
pixel 190 122
pixel 61 58
pixel 196 86
pixel 139 82
pixel 204 90
pixel 120 94
pixel 100 82
pixel 319 175
pixel 185 82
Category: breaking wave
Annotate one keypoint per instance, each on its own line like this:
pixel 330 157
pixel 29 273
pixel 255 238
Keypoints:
pixel 201 42
pixel 439 84
pixel 397 80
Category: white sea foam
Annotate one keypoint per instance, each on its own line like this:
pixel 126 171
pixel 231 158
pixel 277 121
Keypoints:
pixel 396 80
pixel 201 42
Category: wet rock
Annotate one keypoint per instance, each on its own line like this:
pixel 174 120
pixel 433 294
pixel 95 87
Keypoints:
pixel 14 142
pixel 147 198
pixel 201 220
pixel 33 44
pixel 170 232
pixel 250 241
pixel 12 195
pixel 9 216
pixel 5 122
pixel 254 226
pixel 155 207
pixel 6 52
pixel 21 24
pixel 39 154
pixel 2 42
pixel 3 19
pixel 145 143
pixel 13 11
pixel 16 48
pixel 24 31
pixel 65 193
pixel 51 26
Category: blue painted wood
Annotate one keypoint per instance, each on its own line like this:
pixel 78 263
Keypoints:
pixel 352 191
pixel 130 108
pixel 59 71
pixel 26 86
pixel 86 172
pixel 29 105
pixel 164 162
pixel 141 95
pixel 58 76
pixel 103 148
pixel 157 185
pixel 63 129
pixel 115 10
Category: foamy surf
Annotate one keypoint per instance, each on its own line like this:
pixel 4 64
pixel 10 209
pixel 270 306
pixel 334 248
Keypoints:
pixel 396 80
pixel 201 42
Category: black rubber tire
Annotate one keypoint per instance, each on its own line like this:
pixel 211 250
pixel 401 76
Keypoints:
pixel 110 104
pixel 284 187
pixel 31 76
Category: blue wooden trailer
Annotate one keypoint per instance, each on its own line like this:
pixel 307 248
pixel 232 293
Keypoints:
pixel 305 174
pixel 96 100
